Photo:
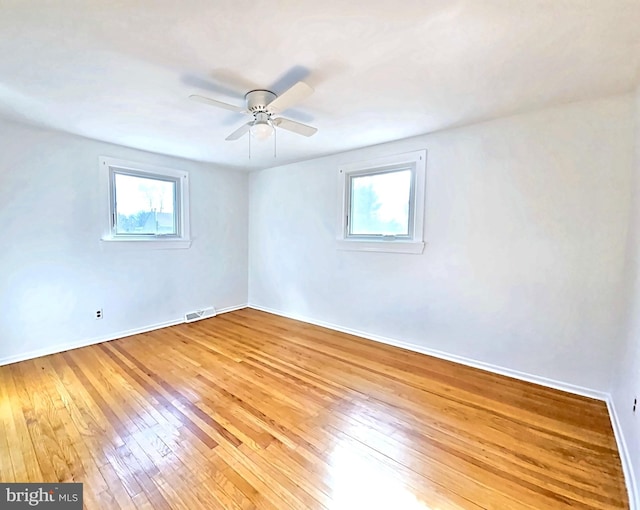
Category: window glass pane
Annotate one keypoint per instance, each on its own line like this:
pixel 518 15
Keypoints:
pixel 144 205
pixel 380 204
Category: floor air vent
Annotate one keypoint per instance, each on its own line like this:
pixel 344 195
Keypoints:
pixel 197 315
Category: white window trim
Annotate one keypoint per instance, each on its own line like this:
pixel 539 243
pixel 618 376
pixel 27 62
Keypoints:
pixel 414 243
pixel 109 237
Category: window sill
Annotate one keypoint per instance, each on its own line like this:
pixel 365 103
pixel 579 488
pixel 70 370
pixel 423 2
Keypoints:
pixel 147 244
pixel 415 247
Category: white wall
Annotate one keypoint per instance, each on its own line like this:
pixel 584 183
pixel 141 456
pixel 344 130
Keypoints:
pixel 54 272
pixel 525 223
pixel 627 381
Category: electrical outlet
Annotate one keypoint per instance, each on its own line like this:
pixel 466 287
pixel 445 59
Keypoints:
pixel 99 314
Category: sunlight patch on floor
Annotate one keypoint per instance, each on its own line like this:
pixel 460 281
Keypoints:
pixel 358 482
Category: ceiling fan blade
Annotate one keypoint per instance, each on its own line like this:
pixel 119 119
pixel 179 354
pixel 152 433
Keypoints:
pixel 295 127
pixel 290 97
pixel 239 132
pixel 219 104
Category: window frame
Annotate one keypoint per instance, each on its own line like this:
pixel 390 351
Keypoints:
pixel 110 167
pixel 413 242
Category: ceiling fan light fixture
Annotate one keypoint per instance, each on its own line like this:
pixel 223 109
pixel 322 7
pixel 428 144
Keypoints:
pixel 262 127
pixel 261 130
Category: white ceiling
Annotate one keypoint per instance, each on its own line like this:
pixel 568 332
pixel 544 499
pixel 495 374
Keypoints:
pixel 121 70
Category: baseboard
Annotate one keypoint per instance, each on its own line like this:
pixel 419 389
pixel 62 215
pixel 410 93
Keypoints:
pixel 231 308
pixel 96 340
pixel 625 457
pixel 523 376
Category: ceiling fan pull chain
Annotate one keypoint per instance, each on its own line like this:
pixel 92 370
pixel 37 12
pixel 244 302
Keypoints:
pixel 249 147
pixel 275 141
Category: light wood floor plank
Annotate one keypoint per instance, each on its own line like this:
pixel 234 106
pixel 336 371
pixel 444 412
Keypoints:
pixel 248 410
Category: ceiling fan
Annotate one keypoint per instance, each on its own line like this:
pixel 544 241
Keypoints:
pixel 263 105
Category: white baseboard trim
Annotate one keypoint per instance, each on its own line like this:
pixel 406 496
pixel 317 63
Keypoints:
pixel 625 457
pixel 523 376
pixel 231 308
pixel 97 340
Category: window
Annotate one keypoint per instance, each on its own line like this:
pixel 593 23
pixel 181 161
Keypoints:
pixel 379 204
pixel 382 204
pixel 146 204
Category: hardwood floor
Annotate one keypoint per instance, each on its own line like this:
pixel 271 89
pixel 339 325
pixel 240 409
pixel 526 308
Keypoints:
pixel 249 410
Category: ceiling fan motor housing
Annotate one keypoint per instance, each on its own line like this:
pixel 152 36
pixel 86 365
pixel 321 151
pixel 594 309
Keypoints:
pixel 257 100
